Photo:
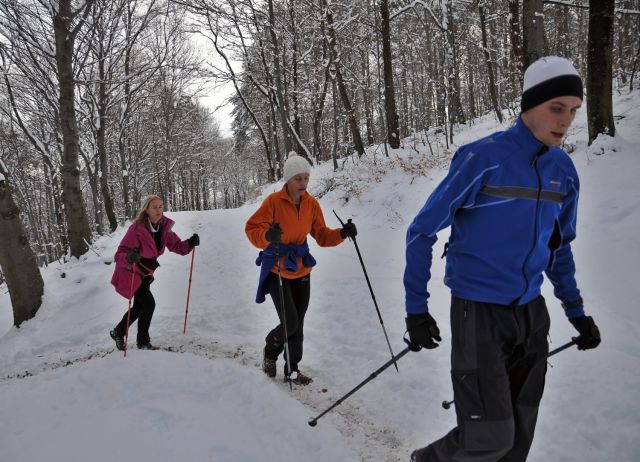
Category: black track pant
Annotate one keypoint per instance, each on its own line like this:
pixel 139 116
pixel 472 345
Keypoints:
pixel 498 370
pixel 142 310
pixel 296 294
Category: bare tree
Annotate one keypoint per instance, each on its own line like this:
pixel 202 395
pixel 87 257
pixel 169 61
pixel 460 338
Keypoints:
pixel 66 25
pixel 600 71
pixel 532 31
pixel 393 129
pixel 336 74
pixel 17 260
pixel 489 61
pixel 41 43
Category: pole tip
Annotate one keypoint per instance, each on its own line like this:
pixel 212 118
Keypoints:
pixel 313 422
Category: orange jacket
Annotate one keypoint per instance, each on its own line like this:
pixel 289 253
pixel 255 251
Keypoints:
pixel 296 225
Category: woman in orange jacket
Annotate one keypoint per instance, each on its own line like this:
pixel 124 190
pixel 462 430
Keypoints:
pixel 280 227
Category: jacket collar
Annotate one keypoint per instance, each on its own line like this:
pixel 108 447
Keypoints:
pixel 283 194
pixel 524 137
pixel 165 221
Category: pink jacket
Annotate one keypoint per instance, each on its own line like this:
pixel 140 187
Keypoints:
pixel 138 236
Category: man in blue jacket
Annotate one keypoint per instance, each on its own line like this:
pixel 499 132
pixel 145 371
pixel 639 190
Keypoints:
pixel 511 201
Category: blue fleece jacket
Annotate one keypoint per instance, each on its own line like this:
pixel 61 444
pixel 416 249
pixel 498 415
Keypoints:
pixel 267 260
pixel 511 203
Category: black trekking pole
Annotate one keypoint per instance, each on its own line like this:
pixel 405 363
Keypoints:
pixel 287 372
pixel 447 404
pixel 375 303
pixel 314 421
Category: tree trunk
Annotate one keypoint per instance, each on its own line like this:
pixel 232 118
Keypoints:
pixel 294 71
pixel 366 97
pixel 393 129
pixel 342 88
pixel 599 72
pixel 17 260
pixel 277 76
pixel 336 135
pixel 532 31
pixel 102 146
pixel 487 57
pixel 456 115
pixel 517 54
pixel 77 223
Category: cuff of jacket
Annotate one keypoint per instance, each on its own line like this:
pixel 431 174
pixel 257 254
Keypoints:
pixel 573 309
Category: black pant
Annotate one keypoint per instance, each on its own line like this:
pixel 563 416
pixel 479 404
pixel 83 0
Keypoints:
pixel 498 371
pixel 142 310
pixel 296 294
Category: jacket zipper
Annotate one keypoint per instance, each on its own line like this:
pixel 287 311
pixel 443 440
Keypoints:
pixel 534 164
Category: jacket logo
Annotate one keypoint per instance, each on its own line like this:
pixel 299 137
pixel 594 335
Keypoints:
pixel 554 184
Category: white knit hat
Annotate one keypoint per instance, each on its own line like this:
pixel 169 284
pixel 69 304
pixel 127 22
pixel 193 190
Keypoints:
pixel 295 165
pixel 548 78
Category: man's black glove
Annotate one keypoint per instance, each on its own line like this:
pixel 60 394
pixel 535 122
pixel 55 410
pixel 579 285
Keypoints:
pixel 423 331
pixel 194 240
pixel 133 256
pixel 148 265
pixel 274 233
pixel 348 230
pixel 589 333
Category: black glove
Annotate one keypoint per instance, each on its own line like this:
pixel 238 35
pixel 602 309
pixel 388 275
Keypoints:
pixel 348 230
pixel 133 256
pixel 589 333
pixel 194 240
pixel 274 233
pixel 148 265
pixel 423 331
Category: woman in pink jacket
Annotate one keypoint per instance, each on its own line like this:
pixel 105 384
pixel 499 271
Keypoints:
pixel 137 258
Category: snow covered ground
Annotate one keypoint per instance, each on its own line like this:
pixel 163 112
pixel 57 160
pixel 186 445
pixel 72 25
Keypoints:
pixel 65 395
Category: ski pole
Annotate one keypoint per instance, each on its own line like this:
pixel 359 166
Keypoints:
pixel 126 331
pixel 287 356
pixel 373 375
pixel 447 404
pixel 375 303
pixel 186 310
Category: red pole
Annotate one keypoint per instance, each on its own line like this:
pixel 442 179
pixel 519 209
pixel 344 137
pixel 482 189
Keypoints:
pixel 126 331
pixel 186 311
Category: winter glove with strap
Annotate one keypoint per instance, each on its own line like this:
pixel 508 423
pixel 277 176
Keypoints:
pixel 133 256
pixel 348 230
pixel 423 331
pixel 194 240
pixel 589 333
pixel 274 233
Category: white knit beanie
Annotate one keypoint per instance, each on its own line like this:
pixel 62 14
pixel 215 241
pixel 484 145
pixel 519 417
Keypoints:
pixel 295 165
pixel 548 78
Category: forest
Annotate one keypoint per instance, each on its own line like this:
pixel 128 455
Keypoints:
pixel 101 101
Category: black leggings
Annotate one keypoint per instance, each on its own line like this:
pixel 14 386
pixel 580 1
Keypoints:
pixel 296 294
pixel 142 310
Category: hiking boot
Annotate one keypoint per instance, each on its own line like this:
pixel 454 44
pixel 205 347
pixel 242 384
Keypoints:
pixel 119 339
pixel 299 378
pixel 419 455
pixel 147 346
pixel 268 365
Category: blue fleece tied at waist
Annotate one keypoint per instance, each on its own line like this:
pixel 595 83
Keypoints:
pixel 267 260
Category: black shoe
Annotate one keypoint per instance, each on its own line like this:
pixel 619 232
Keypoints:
pixel 419 455
pixel 147 346
pixel 118 339
pixel 299 378
pixel 268 365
